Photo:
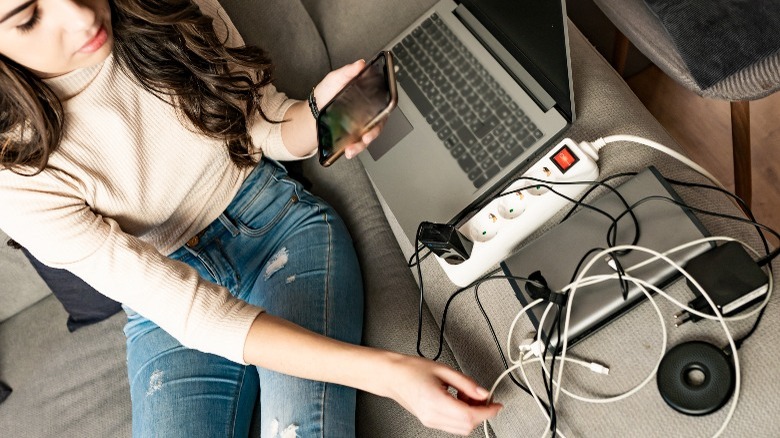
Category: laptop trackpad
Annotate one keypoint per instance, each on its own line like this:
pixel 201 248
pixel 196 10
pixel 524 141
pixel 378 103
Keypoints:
pixel 396 128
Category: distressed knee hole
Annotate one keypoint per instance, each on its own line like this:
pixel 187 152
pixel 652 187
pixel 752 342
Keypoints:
pixel 278 261
pixel 290 431
pixel 155 382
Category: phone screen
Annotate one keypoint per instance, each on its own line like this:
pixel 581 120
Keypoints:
pixel 360 105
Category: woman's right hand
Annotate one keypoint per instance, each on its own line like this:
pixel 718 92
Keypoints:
pixel 420 386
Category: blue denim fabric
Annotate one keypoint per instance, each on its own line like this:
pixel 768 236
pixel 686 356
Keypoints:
pixel 275 246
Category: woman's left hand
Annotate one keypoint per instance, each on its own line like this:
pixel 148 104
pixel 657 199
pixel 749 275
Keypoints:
pixel 330 85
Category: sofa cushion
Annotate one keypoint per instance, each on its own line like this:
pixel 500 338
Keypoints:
pixel 20 286
pixel 65 384
pixel 286 31
pixel 367 28
pixel 84 304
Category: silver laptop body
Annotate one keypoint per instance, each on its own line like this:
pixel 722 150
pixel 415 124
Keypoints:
pixel 427 164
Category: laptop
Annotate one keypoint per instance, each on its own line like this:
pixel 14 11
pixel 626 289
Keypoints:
pixel 484 87
pixel 558 252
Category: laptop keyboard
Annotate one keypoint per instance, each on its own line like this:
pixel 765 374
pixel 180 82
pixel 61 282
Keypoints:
pixel 483 128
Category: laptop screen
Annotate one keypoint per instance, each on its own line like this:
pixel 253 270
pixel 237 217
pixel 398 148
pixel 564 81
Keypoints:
pixel 533 32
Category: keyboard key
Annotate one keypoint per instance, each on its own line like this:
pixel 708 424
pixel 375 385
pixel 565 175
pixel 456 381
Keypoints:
pixel 426 85
pixel 466 136
pixel 503 112
pixel 486 126
pixel 522 133
pixel 467 163
pixel 452 96
pixel 484 112
pixel 480 181
pixel 498 154
pixel 419 99
pixel 491 98
pixel 447 113
pixel 469 94
pixel 504 136
pixel 486 163
pixel 440 40
pixel 455 123
pixel 492 171
pixel 401 76
pixel 438 124
pixel 438 99
pixel 401 54
pixel 451 141
pixel 488 139
pixel 475 173
pixel 538 134
pixel 513 123
pixel 444 132
pixel 458 151
pixel 460 82
pixel 493 146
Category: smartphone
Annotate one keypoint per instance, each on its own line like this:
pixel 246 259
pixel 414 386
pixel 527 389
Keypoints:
pixel 363 103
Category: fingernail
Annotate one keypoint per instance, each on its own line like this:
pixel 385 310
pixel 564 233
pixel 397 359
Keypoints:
pixel 348 154
pixel 360 60
pixel 482 392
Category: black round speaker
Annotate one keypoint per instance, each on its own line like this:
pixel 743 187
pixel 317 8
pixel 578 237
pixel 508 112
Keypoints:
pixel 696 378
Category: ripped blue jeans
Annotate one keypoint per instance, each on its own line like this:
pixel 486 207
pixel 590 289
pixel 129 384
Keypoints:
pixel 278 247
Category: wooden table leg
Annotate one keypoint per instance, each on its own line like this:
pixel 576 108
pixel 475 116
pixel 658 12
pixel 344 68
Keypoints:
pixel 740 137
pixel 620 52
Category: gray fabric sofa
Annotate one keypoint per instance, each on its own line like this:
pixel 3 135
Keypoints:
pixel 75 384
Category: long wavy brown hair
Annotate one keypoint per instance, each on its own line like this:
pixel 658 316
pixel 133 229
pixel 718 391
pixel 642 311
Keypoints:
pixel 170 47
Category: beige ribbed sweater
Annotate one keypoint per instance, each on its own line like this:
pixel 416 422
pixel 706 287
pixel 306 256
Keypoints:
pixel 130 183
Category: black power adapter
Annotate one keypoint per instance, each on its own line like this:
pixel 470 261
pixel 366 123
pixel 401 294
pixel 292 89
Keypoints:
pixel 446 242
pixel 731 278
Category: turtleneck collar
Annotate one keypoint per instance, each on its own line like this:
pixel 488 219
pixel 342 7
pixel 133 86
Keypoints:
pixel 71 84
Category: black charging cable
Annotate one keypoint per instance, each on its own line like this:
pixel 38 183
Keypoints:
pixel 767 259
pixel 736 198
pixel 611 240
pixel 761 262
pixel 490 325
pixel 415 261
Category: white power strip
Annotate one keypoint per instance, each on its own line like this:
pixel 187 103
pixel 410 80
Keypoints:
pixel 507 220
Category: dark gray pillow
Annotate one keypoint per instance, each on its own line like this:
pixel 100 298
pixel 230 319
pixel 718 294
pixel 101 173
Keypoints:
pixel 84 304
pixel 5 391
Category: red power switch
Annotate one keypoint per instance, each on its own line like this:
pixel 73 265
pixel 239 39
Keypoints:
pixel 564 159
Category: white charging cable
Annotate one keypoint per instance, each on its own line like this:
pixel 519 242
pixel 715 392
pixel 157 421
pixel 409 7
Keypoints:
pixel 593 148
pixel 572 289
pixel 582 281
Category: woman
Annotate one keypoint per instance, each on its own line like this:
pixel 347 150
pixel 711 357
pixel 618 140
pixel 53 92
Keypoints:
pixel 137 151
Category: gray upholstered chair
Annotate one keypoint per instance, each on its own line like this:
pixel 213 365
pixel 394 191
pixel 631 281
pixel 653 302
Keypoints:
pixel 638 25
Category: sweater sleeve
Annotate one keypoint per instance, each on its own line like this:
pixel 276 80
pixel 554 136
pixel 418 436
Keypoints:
pixel 267 135
pixel 46 215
